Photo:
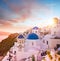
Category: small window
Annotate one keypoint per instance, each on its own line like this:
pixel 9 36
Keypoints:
pixel 32 43
pixel 43 41
pixel 47 42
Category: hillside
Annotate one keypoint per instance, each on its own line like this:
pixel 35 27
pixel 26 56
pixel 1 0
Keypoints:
pixel 7 43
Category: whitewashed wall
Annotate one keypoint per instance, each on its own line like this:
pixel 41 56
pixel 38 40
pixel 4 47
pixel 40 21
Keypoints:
pixel 53 42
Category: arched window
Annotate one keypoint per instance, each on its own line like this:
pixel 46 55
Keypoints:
pixel 47 42
pixel 32 43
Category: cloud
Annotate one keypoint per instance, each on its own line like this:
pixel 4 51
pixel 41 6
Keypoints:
pixel 5 14
pixel 14 29
pixel 5 23
pixel 1 13
pixel 20 10
pixel 25 8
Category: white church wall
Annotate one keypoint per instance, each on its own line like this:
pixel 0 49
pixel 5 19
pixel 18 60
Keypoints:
pixel 53 42
pixel 30 44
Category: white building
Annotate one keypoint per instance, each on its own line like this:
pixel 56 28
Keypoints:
pixel 32 41
pixel 56 29
pixel 35 30
pixel 32 44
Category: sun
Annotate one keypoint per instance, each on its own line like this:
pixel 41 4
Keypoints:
pixel 50 23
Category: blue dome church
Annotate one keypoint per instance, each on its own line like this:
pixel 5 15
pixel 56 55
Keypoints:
pixel 21 41
pixel 35 30
pixel 32 36
pixel 32 42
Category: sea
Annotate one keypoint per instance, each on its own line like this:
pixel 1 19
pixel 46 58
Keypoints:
pixel 2 37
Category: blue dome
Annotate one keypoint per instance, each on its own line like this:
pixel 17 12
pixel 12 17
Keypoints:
pixel 35 28
pixel 32 36
pixel 20 36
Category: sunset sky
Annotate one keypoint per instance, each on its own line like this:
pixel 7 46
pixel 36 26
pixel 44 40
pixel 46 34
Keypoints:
pixel 19 15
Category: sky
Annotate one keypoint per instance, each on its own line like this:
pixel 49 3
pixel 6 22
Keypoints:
pixel 20 15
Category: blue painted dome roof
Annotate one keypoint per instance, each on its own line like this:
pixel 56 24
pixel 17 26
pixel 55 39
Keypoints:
pixel 32 36
pixel 20 36
pixel 35 28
